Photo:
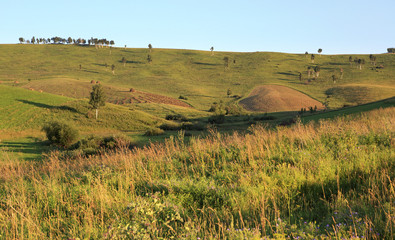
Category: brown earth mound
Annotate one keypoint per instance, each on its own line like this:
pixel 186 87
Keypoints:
pixel 78 89
pixel 275 98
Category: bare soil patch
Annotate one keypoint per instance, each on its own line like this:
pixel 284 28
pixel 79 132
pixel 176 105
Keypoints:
pixel 275 98
pixel 117 95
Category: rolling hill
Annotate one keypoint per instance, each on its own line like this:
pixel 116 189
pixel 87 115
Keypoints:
pixel 195 75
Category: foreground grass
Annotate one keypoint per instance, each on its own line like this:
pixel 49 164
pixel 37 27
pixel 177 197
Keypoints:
pixel 331 179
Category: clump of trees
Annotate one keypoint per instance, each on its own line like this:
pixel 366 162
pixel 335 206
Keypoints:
pixel 391 50
pixel 60 40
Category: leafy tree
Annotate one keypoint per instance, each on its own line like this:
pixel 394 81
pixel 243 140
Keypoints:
pixel 306 54
pixel 97 98
pixel 69 40
pixel 33 40
pixel 212 51
pixel 229 92
pixel 312 58
pixel 21 39
pixel 150 47
pixel 334 78
pixel 149 59
pixel 124 61
pixel 226 62
pixel 320 51
pixel 360 64
pixel 341 73
pixel 300 76
pixel 350 60
pixel 317 70
pixel 113 69
pixel 308 72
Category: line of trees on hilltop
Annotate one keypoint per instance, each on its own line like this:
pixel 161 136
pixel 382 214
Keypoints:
pixel 69 40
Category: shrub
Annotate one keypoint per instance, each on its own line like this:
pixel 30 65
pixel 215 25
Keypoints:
pixel 182 97
pixel 60 133
pixel 176 117
pixel 92 144
pixel 217 119
pixel 233 109
pixel 154 132
pixel 171 126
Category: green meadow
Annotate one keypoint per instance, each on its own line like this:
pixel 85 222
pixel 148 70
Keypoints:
pixel 173 155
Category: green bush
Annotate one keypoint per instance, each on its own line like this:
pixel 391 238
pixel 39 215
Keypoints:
pixel 60 133
pixel 176 117
pixel 217 119
pixel 93 144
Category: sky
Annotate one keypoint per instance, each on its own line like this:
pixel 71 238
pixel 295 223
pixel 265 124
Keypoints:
pixel 292 26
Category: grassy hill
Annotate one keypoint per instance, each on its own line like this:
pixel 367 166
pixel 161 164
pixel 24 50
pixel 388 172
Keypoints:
pixel 24 109
pixel 197 75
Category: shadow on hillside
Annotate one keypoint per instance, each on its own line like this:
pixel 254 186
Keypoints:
pixel 206 64
pixel 90 71
pixel 133 62
pixel 43 105
pixel 287 73
pixel 31 148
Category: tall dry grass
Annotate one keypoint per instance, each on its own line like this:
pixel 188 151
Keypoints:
pixel 327 179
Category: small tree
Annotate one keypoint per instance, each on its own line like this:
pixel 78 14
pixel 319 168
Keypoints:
pixel 149 59
pixel 320 51
pixel 308 72
pixel 350 60
pixel 124 61
pixel 300 76
pixel 312 58
pixel 97 98
pixel 341 73
pixel 212 51
pixel 334 78
pixel 21 40
pixel 113 69
pixel 229 92
pixel 226 62
pixel 317 70
pixel 150 47
pixel 306 54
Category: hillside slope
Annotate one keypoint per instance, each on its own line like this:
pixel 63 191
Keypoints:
pixel 24 109
pixel 200 77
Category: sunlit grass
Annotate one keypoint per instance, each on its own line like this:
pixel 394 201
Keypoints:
pixel 327 179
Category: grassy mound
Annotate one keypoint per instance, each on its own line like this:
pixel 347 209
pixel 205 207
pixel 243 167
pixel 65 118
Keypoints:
pixel 275 98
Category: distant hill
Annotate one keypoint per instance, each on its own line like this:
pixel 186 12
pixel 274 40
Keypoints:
pixel 199 77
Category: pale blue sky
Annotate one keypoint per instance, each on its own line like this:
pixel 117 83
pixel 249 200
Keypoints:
pixel 295 26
